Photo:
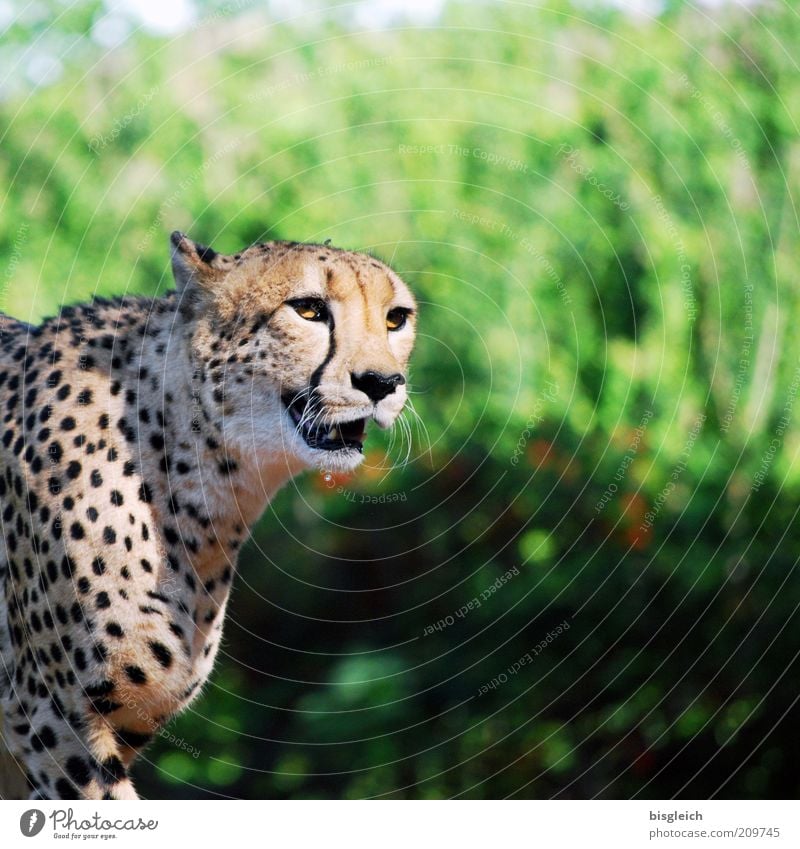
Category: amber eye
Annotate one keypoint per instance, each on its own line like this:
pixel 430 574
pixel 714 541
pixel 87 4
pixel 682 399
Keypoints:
pixel 396 318
pixel 311 309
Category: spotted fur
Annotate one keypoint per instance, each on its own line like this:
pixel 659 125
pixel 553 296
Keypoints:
pixel 140 440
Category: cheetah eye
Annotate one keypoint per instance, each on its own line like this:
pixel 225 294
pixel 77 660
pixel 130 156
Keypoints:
pixel 311 309
pixel 396 318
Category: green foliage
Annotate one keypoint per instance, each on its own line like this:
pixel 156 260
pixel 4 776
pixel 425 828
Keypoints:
pixel 595 212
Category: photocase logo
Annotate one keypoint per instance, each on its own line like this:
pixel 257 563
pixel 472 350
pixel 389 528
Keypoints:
pixel 31 822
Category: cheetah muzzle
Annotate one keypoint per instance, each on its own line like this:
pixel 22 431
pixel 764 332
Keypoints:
pixel 140 440
pixel 338 435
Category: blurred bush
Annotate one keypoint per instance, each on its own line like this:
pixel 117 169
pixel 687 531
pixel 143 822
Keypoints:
pixel 596 212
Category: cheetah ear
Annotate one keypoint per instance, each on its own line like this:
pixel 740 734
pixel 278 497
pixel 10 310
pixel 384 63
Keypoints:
pixel 194 264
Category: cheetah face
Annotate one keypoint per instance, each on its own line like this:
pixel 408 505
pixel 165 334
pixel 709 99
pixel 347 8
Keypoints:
pixel 315 342
pixel 353 340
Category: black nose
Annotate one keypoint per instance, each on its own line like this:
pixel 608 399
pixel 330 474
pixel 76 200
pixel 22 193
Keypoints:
pixel 377 386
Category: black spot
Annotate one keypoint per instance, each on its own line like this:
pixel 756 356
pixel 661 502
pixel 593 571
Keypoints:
pixel 127 430
pixel 105 706
pixel 52 571
pixel 68 423
pixel 132 739
pixel 161 653
pixel 67 567
pixel 112 770
pixel 103 601
pixel 113 629
pixel 145 493
pixel 98 565
pixel 73 469
pixel 95 478
pixel 157 596
pixel 116 498
pixel 65 790
pixel 83 585
pixel 109 535
pixel 85 397
pixel 135 675
pixel 76 531
pixel 47 737
pixel 101 689
pixel 78 770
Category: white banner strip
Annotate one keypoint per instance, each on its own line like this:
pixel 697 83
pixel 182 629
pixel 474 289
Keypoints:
pixel 403 824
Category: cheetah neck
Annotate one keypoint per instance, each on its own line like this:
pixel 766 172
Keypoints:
pixel 218 486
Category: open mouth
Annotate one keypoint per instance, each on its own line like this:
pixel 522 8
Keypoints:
pixel 327 436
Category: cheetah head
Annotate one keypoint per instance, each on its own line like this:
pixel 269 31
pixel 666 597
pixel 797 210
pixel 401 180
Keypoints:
pixel 299 346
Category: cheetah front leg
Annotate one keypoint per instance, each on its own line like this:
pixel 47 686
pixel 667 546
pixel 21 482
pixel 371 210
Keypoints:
pixel 111 779
pixel 65 762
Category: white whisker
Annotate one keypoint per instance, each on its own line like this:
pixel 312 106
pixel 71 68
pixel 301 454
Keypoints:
pixel 421 427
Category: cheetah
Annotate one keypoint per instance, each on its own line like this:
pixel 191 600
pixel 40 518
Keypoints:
pixel 141 438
